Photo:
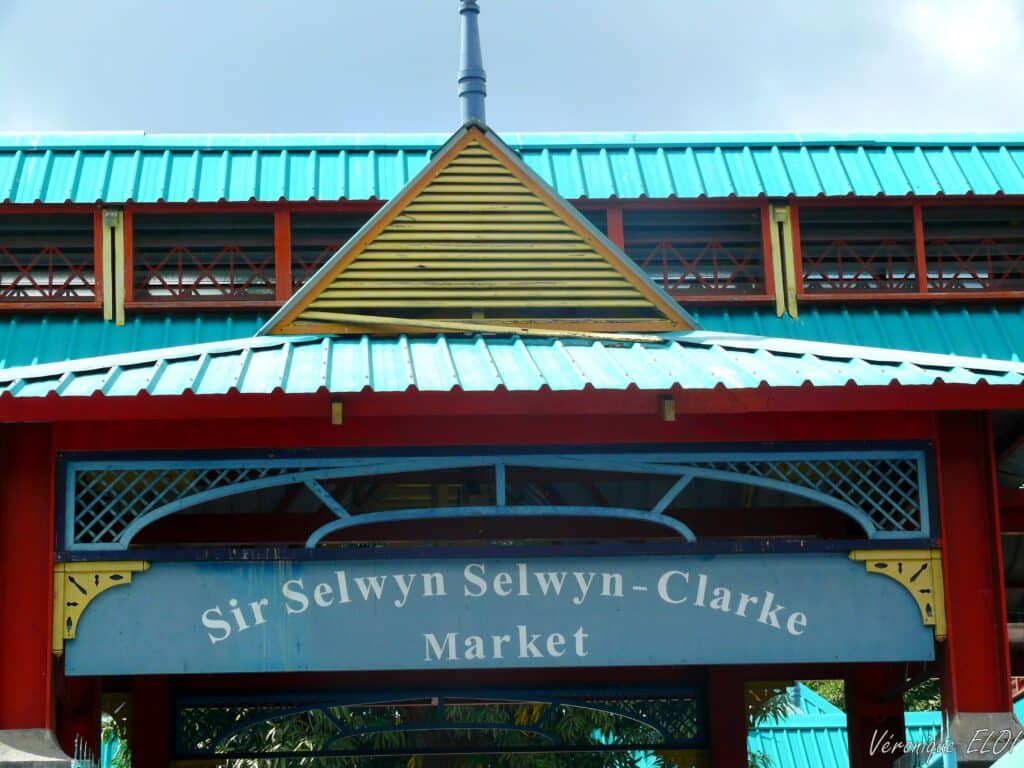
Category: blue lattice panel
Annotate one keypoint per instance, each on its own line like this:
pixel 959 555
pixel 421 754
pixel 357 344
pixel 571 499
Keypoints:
pixel 884 492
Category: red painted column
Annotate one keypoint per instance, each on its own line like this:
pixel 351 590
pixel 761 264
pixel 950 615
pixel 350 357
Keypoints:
pixel 150 728
pixel 727 716
pixel 976 656
pixel 874 714
pixel 78 714
pixel 26 577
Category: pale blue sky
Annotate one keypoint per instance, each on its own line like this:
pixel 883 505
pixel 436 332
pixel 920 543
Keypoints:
pixel 343 65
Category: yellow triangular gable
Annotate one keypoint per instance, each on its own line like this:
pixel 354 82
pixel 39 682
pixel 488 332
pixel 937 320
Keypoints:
pixel 477 238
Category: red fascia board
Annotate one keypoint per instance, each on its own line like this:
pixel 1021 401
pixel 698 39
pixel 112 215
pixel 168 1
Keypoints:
pixel 588 402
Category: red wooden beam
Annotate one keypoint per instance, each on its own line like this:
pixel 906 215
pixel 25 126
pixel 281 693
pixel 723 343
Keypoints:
pixel 149 736
pixel 976 655
pixel 726 692
pixel 218 433
pixel 616 232
pixel 768 256
pixel 26 577
pixel 1011 510
pixel 606 404
pixel 128 222
pixel 919 250
pixel 282 254
pixel 874 705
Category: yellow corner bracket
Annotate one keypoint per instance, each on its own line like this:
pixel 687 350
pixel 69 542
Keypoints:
pixel 74 587
pixel 920 573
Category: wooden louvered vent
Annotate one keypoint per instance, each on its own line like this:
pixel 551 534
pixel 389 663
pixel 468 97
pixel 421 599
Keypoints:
pixel 477 239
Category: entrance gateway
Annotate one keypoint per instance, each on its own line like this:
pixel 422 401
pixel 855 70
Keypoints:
pixel 480 486
pixel 363 551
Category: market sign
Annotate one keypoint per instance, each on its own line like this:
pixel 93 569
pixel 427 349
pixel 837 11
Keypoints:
pixel 497 613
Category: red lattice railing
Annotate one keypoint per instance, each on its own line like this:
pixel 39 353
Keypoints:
pixel 315 237
pixel 699 254
pixel 203 257
pixel 47 259
pixel 856 250
pixel 184 274
pixel 853 267
pixel 988 265
pixel 711 267
pixel 306 263
pixel 259 254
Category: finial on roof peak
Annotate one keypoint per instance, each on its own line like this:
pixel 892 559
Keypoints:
pixel 472 78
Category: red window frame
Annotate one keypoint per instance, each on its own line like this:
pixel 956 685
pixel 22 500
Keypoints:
pixel 7 305
pixel 616 233
pixel 918 206
pixel 281 213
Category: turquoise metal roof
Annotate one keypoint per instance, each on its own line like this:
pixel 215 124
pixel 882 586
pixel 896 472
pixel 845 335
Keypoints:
pixel 31 338
pixel 971 330
pixel 807 701
pixel 119 167
pixel 820 741
pixel 979 329
pixel 697 360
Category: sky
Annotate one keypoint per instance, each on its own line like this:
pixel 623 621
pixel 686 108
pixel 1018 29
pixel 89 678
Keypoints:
pixel 582 65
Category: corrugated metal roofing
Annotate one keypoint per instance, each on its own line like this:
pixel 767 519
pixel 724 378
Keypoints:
pixel 806 701
pixel 820 741
pixel 115 168
pixel 693 361
pixel 32 339
pixel 980 329
pixel 993 331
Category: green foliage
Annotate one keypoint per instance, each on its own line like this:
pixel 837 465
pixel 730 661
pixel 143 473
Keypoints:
pixel 421 727
pixel 923 697
pixel 833 691
pixel 771 709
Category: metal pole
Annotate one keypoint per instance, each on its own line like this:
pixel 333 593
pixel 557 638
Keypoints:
pixel 472 78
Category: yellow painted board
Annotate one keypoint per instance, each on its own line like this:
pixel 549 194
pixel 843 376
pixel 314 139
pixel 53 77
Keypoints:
pixel 450 246
pixel 539 256
pixel 476 207
pixel 480 236
pixel 409 271
pixel 474 180
pixel 474 168
pixel 339 288
pixel 427 261
pixel 456 221
pixel 477 164
pixel 527 327
pixel 460 199
pixel 475 224
pixel 427 303
pixel 790 262
pixel 119 271
pixel 338 322
pixel 449 187
pixel 494 292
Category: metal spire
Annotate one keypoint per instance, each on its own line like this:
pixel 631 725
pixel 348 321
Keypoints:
pixel 472 78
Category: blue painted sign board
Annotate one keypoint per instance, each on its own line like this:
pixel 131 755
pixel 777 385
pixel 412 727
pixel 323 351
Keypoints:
pixel 497 613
